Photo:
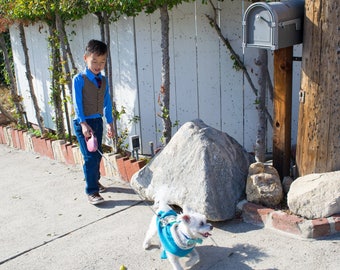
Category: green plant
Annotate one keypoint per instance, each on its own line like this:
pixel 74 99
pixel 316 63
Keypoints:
pixel 4 76
pixel 162 139
pixel 35 132
pixel 145 159
pixel 122 133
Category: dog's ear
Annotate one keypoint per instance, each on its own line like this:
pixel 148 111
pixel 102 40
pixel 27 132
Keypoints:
pixel 186 218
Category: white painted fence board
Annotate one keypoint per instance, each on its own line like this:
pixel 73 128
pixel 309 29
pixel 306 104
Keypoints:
pixel 183 60
pixel 20 71
pixel 39 63
pixel 155 28
pixel 231 79
pixel 208 62
pixel 124 68
pixel 249 107
pixel 146 72
pixel 36 37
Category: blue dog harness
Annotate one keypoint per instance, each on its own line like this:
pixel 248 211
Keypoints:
pixel 166 224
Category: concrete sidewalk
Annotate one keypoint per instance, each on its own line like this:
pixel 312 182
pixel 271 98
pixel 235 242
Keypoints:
pixel 47 223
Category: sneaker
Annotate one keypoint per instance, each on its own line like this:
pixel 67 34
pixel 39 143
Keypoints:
pixel 101 188
pixel 95 198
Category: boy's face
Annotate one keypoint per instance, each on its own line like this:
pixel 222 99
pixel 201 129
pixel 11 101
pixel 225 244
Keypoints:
pixel 95 63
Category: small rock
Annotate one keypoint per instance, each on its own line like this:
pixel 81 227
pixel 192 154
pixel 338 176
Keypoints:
pixel 264 185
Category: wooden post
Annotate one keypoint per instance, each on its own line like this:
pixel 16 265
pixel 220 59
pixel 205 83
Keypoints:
pixel 283 59
pixel 318 141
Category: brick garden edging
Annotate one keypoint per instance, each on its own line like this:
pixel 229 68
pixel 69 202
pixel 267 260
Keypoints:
pixel 269 218
pixel 111 164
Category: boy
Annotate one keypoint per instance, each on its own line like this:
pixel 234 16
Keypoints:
pixel 91 99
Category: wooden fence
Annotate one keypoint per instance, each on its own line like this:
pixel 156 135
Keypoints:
pixel 204 83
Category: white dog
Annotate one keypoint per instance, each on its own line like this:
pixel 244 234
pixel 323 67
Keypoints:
pixel 178 234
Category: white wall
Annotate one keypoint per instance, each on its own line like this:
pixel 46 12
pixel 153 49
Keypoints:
pixel 203 82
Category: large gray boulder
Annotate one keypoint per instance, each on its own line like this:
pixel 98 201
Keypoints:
pixel 202 167
pixel 315 195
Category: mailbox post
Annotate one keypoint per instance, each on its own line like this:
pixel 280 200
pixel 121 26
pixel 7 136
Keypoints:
pixel 282 100
pixel 277 26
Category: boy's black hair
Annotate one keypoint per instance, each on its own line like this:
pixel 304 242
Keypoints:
pixel 96 47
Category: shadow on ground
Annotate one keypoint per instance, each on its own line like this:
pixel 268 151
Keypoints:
pixel 235 257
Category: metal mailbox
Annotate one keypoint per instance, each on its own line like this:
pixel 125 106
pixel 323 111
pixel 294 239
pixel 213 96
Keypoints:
pixel 273 25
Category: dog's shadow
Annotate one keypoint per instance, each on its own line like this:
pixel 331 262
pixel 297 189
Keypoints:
pixel 154 246
pixel 220 258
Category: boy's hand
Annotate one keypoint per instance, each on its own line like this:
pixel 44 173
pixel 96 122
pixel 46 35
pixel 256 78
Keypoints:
pixel 86 129
pixel 110 130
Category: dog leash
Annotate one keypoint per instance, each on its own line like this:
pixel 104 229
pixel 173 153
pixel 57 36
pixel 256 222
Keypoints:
pixel 140 197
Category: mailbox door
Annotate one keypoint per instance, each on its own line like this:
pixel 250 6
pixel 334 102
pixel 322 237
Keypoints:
pixel 273 25
pixel 259 28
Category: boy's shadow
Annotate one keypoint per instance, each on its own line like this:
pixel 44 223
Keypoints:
pixel 114 203
pixel 111 203
pixel 119 190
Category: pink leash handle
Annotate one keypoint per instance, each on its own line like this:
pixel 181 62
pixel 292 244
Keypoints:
pixel 92 143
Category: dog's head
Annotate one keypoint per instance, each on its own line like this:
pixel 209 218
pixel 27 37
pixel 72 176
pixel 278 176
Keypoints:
pixel 194 224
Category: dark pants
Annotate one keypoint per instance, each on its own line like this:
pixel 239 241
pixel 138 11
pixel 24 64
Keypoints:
pixel 91 159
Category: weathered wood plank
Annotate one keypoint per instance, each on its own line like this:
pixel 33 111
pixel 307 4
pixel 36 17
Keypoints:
pixel 282 110
pixel 318 142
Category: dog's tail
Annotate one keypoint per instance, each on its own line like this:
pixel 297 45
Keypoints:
pixel 161 198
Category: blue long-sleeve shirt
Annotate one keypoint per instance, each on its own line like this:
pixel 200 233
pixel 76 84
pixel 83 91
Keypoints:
pixel 78 85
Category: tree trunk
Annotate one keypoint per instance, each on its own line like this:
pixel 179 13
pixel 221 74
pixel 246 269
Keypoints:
pixel 318 142
pixel 56 90
pixel 164 95
pixel 109 60
pixel 13 86
pixel 74 69
pixel 7 114
pixel 40 119
pixel 63 44
pixel 102 32
pixel 66 72
pixel 260 146
pixel 101 25
pixel 104 25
